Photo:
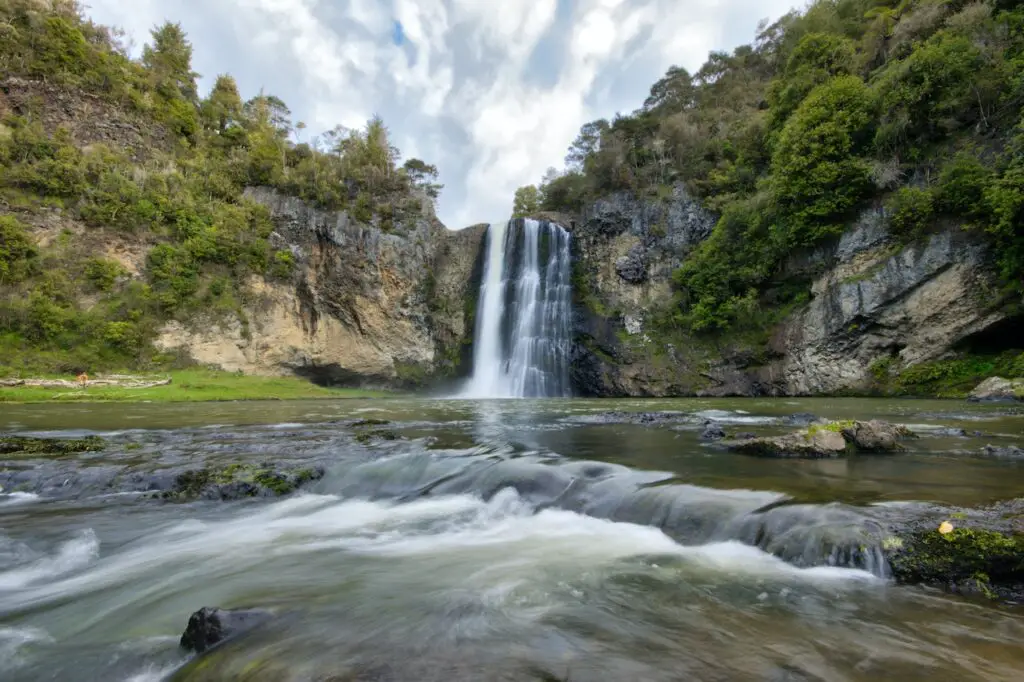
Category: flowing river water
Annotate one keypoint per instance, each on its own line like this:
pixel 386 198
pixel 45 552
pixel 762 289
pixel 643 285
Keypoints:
pixel 494 540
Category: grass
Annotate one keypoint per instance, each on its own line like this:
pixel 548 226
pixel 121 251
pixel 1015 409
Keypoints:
pixel 194 385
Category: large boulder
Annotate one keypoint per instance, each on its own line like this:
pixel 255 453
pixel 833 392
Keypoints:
pixel 997 389
pixel 874 435
pixel 807 444
pixel 210 626
pixel 829 439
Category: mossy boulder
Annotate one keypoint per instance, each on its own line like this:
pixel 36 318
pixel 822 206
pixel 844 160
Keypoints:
pixel 238 480
pixel 18 445
pixel 963 560
pixel 365 437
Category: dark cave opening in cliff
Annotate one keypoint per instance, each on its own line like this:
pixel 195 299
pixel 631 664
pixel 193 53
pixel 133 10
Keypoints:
pixel 1005 335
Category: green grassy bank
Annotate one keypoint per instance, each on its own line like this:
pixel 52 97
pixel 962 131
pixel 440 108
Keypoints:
pixel 191 386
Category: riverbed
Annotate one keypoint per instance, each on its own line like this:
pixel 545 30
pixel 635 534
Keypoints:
pixel 495 540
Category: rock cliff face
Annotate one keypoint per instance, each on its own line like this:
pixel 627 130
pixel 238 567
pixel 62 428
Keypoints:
pixel 874 304
pixel 365 306
pixel 879 303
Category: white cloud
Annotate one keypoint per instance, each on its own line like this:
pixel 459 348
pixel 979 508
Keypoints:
pixel 492 92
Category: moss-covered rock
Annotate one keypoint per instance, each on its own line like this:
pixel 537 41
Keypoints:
pixel 17 445
pixel 238 480
pixel 365 437
pixel 964 560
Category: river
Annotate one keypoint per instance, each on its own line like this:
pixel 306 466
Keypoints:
pixel 494 540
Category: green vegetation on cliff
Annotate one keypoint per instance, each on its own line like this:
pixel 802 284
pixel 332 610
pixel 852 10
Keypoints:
pixel 122 189
pixel 915 104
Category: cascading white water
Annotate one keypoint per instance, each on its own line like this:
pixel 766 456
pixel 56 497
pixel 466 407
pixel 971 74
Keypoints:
pixel 523 314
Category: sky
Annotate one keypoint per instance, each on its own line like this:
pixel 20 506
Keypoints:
pixel 492 92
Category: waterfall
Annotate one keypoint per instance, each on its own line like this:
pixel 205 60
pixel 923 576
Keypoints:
pixel 523 313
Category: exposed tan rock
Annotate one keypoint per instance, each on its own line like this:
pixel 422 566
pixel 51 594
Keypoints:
pixel 827 439
pixel 805 444
pixel 365 306
pixel 997 389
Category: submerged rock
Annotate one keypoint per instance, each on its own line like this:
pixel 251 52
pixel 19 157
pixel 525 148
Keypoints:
pixel 951 432
pixel 832 439
pixel 997 389
pixel 1007 452
pixel 800 419
pixel 210 626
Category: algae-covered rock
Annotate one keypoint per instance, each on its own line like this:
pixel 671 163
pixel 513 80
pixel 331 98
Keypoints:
pixel 964 560
pixel 238 481
pixel 19 445
pixel 998 389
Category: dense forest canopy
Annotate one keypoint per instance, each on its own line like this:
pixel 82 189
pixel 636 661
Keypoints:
pixel 914 103
pixel 180 192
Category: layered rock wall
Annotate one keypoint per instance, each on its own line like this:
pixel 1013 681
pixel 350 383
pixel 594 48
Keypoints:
pixel 874 303
pixel 365 306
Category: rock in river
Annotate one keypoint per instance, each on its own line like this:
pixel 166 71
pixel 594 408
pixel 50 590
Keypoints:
pixel 210 626
pixel 997 389
pixel 827 440
pixel 712 431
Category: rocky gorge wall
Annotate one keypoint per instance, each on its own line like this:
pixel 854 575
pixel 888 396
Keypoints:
pixel 876 305
pixel 364 307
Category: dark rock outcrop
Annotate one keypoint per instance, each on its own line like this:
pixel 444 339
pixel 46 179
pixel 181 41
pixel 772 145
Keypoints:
pixel 210 626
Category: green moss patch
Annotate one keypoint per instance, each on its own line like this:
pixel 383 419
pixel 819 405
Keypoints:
pixel 965 559
pixel 16 445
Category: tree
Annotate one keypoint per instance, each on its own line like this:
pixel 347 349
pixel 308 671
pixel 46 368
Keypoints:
pixel 674 92
pixel 588 142
pixel 526 202
pixel 276 111
pixel 224 105
pixel 818 172
pixel 422 175
pixel 169 61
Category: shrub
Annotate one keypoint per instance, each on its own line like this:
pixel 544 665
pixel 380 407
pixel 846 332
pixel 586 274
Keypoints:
pixel 911 210
pixel 818 175
pixel 103 273
pixel 17 251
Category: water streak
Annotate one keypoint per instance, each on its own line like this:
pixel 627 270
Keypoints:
pixel 523 325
